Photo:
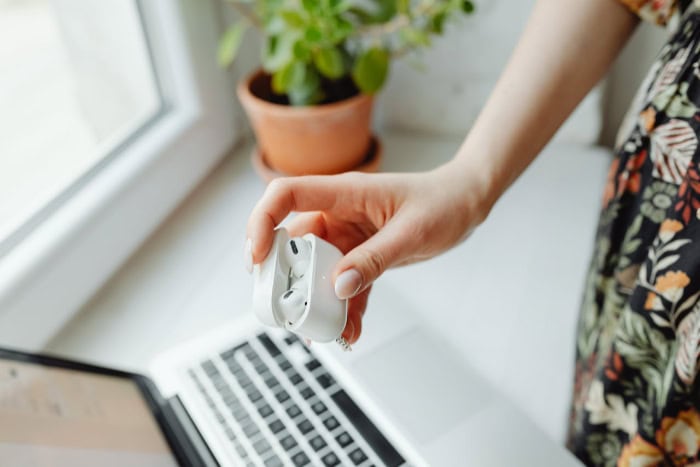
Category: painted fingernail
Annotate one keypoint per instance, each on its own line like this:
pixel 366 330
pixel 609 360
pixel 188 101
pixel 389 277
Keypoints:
pixel 248 255
pixel 348 284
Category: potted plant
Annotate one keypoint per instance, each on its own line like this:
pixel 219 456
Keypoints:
pixel 322 61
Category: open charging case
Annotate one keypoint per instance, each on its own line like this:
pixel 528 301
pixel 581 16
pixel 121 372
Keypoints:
pixel 324 315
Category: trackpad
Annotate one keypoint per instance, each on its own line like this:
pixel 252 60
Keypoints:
pixel 421 384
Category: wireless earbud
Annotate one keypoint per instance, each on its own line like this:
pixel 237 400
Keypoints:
pixel 294 290
pixel 292 304
pixel 298 253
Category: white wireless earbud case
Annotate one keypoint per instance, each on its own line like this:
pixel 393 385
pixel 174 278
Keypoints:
pixel 324 315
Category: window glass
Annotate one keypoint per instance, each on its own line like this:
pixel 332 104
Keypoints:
pixel 76 82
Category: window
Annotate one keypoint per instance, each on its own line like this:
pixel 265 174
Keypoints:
pixel 68 101
pixel 117 110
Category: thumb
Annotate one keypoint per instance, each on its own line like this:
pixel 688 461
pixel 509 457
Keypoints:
pixel 358 269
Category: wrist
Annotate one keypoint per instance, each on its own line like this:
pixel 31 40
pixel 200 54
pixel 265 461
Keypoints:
pixel 477 187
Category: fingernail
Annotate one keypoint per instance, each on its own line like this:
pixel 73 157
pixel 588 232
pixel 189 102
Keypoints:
pixel 248 255
pixel 348 284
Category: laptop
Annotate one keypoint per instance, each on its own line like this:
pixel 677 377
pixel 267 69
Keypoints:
pixel 248 395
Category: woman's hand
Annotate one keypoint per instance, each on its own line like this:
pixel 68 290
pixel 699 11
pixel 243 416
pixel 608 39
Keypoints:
pixel 378 221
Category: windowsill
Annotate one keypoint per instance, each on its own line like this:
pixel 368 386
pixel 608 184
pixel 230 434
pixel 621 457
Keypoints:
pixel 497 298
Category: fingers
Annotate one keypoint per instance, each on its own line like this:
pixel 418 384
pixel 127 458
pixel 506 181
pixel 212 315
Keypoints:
pixel 365 263
pixel 356 309
pixel 282 196
pixel 307 222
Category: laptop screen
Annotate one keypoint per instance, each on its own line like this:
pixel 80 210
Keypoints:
pixel 54 416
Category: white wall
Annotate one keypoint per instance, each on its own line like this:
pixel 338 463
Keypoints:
pixel 445 93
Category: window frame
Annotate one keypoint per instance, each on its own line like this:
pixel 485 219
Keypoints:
pixel 64 259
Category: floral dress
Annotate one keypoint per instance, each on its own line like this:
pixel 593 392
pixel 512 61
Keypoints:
pixel 636 396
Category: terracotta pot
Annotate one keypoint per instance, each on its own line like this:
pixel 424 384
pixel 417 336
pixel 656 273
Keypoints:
pixel 321 139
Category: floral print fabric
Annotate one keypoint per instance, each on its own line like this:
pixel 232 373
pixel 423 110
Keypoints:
pixel 636 395
pixel 655 11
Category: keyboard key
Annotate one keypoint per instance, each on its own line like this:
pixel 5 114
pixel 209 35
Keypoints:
pixel 248 350
pixel 239 414
pixel 325 380
pixel 295 378
pixel 265 410
pixel 288 443
pixel 273 461
pixel 282 396
pixel 209 368
pixel 313 364
pixel 284 364
pixel 317 443
pixel 269 345
pixel 319 407
pixel 384 449
pixel 250 430
pixel 228 354
pixel 271 382
pixel 300 459
pixel 245 382
pixel 276 426
pixel 241 450
pixel 255 360
pixel 229 398
pixel 261 446
pixel 307 393
pixel 234 366
pixel 255 396
pixel 358 456
pixel 291 339
pixel 331 423
pixel 293 410
pixel 330 460
pixel 343 439
pixel 305 426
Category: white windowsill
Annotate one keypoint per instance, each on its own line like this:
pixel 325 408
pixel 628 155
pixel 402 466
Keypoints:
pixel 507 299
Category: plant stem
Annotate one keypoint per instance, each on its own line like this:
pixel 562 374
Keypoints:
pixel 246 13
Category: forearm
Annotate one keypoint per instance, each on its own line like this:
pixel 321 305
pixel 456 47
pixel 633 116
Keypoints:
pixel 566 48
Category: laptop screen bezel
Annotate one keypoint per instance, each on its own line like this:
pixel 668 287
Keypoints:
pixel 147 388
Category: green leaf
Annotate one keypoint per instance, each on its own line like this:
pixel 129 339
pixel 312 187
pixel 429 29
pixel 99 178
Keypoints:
pixel 415 37
pixel 340 6
pixel 403 6
pixel 371 69
pixel 230 43
pixel 437 23
pixel 342 28
pixel 293 18
pixel 330 63
pixel 313 34
pixel 467 6
pixel 279 51
pixel 288 77
pixel 378 11
pixel 306 91
pixel 302 52
pixel 310 5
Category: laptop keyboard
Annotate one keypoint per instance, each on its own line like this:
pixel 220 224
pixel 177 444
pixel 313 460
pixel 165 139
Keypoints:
pixel 279 406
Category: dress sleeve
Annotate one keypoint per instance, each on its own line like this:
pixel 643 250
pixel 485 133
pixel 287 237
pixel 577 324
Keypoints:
pixel 655 11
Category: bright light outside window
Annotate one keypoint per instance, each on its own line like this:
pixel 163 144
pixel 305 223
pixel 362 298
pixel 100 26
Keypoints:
pixel 76 82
